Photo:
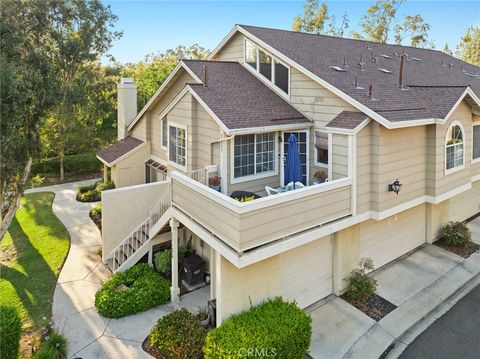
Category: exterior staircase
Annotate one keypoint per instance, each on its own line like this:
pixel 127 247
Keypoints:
pixel 139 242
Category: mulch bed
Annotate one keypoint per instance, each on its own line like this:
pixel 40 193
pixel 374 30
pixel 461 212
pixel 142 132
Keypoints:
pixel 96 219
pixel 375 306
pixel 463 251
pixel 151 350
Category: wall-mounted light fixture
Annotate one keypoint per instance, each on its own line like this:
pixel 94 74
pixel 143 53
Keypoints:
pixel 395 187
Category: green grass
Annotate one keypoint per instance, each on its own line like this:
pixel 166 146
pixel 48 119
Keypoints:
pixel 31 256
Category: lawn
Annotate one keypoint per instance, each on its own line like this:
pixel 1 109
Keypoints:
pixel 31 256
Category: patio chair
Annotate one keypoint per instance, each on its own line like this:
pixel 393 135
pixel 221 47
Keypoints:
pixel 271 191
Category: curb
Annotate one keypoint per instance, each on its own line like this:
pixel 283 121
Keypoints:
pixel 401 343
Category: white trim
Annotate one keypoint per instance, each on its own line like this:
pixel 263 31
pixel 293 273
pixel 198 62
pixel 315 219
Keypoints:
pixel 468 91
pixel 159 160
pixel 475 124
pixel 282 155
pixel 462 166
pixel 286 128
pixel 330 156
pixel 315 160
pixel 172 103
pixel 223 43
pixel 161 133
pixel 475 178
pixel 234 180
pixel 344 131
pixel 449 194
pixel 113 163
pixel 224 162
pixel 352 171
pixel 173 163
pixel 161 88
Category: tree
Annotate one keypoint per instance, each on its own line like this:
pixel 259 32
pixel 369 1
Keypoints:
pixel 27 87
pixel 469 47
pixel 150 73
pixel 447 50
pixel 415 29
pixel 314 18
pixel 82 34
pixel 376 23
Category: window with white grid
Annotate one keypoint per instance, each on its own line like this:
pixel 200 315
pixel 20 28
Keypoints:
pixel 454 147
pixel 254 154
pixel 476 142
pixel 178 145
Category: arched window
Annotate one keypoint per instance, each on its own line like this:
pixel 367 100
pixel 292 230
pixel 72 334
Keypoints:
pixel 454 147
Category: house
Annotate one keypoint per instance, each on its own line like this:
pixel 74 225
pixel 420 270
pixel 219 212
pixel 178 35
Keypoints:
pixel 395 129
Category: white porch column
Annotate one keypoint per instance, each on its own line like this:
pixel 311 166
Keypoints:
pixel 174 290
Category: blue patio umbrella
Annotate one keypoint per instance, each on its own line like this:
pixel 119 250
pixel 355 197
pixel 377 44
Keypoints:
pixel 293 170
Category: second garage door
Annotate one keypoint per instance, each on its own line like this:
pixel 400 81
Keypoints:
pixel 386 240
pixel 306 272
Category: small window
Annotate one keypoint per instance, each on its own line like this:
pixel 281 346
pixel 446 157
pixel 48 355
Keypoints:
pixel 250 54
pixel 178 146
pixel 254 154
pixel 476 142
pixel 281 77
pixel 454 147
pixel 265 64
pixel 321 148
pixel 164 133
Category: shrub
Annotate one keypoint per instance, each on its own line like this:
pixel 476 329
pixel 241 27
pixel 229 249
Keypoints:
pixel 272 328
pixel 360 285
pixel 163 262
pixel 54 347
pixel 72 163
pixel 135 290
pixel 10 330
pixel 178 335
pixel 456 234
pixel 93 193
pixel 97 210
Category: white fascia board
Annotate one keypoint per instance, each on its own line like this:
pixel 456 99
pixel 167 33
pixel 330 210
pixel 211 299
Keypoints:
pixel 468 91
pixel 263 129
pixel 222 43
pixel 165 83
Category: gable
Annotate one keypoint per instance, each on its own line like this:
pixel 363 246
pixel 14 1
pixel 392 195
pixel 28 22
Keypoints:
pixel 232 50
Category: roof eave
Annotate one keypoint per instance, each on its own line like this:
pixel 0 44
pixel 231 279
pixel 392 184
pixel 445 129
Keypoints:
pixel 114 162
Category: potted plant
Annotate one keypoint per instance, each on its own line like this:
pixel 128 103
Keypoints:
pixel 203 316
pixel 319 177
pixel 214 182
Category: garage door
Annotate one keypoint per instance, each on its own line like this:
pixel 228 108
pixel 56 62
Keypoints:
pixel 386 240
pixel 306 272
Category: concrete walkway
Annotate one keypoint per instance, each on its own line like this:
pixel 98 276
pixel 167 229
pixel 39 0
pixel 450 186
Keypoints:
pixel 74 315
pixel 417 284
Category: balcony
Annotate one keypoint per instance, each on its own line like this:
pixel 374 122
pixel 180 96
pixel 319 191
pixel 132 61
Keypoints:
pixel 244 226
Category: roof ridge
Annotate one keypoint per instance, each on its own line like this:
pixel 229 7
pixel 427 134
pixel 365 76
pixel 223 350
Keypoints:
pixel 453 86
pixel 211 61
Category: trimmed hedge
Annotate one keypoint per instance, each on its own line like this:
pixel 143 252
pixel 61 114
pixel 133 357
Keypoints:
pixel 93 192
pixel 274 328
pixel 135 290
pixel 178 335
pixel 71 163
pixel 55 347
pixel 10 330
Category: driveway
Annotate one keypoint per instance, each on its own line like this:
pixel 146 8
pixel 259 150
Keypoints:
pixel 74 315
pixel 455 335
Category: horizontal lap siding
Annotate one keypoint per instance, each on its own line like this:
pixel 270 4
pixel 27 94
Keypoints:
pixel 156 124
pixel 339 156
pixel 204 131
pixel 280 220
pixel 465 205
pixel 364 170
pixel 233 50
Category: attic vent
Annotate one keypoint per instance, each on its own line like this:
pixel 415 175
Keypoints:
pixel 386 71
pixel 337 68
pixel 385 56
pixel 416 59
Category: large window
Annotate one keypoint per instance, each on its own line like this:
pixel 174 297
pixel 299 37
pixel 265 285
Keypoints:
pixel 454 147
pixel 164 133
pixel 476 142
pixel 254 154
pixel 321 148
pixel 178 146
pixel 270 68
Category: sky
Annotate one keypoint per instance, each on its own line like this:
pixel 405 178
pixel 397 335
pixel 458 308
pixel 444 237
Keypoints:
pixel 154 26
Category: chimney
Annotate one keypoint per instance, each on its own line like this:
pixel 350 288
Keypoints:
pixel 126 106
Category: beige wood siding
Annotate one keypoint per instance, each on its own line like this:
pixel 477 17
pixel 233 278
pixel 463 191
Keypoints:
pixel 233 50
pixel 155 127
pixel 306 272
pixel 258 226
pixel 364 169
pixel 140 129
pixel 386 240
pixel 466 204
pixel 131 170
pixel 204 132
pixel 339 156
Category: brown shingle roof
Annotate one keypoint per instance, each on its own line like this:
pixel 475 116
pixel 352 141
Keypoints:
pixel 118 149
pixel 348 120
pixel 423 67
pixel 239 99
